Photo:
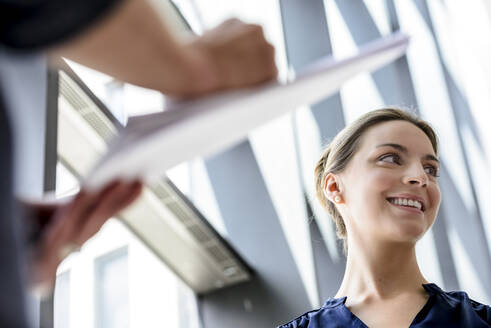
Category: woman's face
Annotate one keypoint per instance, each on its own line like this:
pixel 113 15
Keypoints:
pixel 390 189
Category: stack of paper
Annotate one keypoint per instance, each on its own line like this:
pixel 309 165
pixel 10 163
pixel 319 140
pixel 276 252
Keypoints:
pixel 151 144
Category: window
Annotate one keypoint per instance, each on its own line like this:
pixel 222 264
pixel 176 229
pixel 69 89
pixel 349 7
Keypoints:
pixel 111 290
pixel 62 301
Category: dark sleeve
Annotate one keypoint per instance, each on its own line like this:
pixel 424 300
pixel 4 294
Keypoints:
pixel 35 24
pixel 299 322
pixel 482 310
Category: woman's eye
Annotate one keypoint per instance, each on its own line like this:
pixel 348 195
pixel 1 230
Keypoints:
pixel 390 158
pixel 431 170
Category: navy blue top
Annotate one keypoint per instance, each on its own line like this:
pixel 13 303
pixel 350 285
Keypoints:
pixel 452 309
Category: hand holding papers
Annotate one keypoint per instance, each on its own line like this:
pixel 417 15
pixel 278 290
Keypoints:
pixel 151 144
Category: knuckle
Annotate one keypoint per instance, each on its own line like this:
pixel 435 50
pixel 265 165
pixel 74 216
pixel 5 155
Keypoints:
pixel 231 21
pixel 235 20
pixel 256 29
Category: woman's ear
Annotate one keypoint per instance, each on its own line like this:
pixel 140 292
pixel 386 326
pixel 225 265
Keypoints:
pixel 332 189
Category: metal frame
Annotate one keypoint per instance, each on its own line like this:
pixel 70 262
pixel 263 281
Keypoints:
pixel 306 20
pixel 176 202
pixel 46 315
pixel 472 235
pixel 440 232
pixel 276 291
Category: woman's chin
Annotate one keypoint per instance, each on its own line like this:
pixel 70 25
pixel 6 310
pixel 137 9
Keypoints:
pixel 409 231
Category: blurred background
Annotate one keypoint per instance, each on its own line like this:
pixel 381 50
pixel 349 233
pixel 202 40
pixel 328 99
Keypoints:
pixel 238 239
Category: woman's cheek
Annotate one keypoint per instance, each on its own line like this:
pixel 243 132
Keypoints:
pixel 382 180
pixel 435 197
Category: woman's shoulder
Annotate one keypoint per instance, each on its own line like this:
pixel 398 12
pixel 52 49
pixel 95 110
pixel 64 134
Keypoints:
pixel 460 301
pixel 300 321
pixel 330 312
pixel 452 306
pixel 455 298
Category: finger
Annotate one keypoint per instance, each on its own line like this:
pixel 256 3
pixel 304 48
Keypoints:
pixel 231 22
pixel 91 222
pixel 253 61
pixel 64 217
pixel 261 62
pixel 59 228
pixel 87 202
pixel 109 206
pixel 63 231
pixel 84 200
pixel 121 199
pixel 242 38
pixel 237 35
pixel 253 33
pixel 251 67
pixel 112 206
pixel 132 195
pixel 72 216
pixel 268 70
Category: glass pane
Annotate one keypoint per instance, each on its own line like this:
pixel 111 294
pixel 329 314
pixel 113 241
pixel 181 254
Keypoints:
pixel 111 290
pixel 62 301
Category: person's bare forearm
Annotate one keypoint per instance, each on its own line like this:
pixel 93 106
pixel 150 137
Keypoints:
pixel 133 45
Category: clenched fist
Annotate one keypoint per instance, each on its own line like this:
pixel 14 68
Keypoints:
pixel 232 55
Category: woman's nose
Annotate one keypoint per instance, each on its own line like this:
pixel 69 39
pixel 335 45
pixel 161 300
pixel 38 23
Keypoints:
pixel 416 176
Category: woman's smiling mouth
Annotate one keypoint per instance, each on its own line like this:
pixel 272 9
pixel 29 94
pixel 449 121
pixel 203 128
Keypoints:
pixel 408 204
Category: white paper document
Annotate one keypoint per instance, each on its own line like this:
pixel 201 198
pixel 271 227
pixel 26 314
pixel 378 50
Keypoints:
pixel 151 144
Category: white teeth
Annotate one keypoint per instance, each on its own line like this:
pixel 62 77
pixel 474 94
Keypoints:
pixel 407 202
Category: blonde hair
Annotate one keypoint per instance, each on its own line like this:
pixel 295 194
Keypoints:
pixel 339 152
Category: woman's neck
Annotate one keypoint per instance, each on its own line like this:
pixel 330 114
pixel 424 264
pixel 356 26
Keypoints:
pixel 380 272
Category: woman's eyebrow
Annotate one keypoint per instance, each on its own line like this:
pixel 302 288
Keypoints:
pixel 405 151
pixel 431 158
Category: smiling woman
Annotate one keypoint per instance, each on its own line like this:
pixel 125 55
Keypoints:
pixel 378 179
pixel 340 152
